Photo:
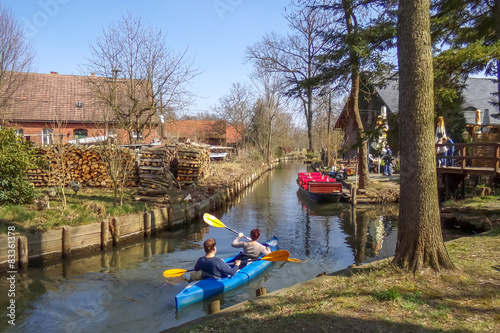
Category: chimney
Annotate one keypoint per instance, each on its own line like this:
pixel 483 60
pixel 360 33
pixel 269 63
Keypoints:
pixel 486 117
pixel 383 111
pixel 53 73
pixel 92 74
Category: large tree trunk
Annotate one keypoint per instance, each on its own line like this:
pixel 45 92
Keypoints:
pixel 420 241
pixel 353 104
pixel 496 10
pixel 353 111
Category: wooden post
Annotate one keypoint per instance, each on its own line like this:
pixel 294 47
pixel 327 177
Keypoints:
pixel 170 216
pixel 197 211
pixel 214 307
pixel 66 241
pixel 165 213
pixel 104 234
pixel 353 194
pixel 462 164
pixel 261 291
pixel 497 161
pixel 116 232
pixel 446 185
pixel 22 251
pixel 147 225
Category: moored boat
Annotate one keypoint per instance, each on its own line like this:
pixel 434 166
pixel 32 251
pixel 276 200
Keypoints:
pixel 199 290
pixel 319 187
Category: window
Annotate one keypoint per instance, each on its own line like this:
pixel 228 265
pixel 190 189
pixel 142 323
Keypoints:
pixel 112 132
pixel 20 134
pixel 47 136
pixel 137 137
pixel 79 133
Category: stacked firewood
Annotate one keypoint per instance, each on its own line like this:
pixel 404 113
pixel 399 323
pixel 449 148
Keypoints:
pixel 61 164
pixel 193 163
pixel 154 177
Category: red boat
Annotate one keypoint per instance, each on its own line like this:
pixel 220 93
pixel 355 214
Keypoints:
pixel 318 187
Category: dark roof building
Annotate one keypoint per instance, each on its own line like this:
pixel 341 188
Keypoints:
pixel 479 94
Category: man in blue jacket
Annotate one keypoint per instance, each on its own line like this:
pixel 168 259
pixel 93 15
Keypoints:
pixel 212 266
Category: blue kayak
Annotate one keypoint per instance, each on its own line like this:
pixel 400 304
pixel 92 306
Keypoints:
pixel 203 289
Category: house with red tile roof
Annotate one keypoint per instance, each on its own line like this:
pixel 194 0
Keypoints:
pixel 233 136
pixel 212 132
pixel 51 107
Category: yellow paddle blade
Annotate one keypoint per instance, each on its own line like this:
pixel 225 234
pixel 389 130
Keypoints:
pixel 294 260
pixel 213 221
pixel 279 255
pixel 175 272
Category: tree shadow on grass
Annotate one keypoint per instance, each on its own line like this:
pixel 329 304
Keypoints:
pixel 300 322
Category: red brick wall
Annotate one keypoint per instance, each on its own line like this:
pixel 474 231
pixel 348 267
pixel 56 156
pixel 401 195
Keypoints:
pixel 33 131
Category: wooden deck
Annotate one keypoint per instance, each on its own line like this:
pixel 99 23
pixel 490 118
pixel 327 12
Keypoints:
pixel 481 159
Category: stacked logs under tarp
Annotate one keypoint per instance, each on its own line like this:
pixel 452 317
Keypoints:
pixel 84 165
pixel 155 178
pixel 193 163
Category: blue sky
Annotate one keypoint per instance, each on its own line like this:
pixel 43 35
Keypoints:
pixel 216 33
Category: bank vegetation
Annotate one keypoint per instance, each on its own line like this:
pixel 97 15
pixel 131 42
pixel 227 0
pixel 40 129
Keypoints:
pixel 382 298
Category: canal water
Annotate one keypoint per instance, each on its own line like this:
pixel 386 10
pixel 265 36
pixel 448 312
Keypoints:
pixel 123 290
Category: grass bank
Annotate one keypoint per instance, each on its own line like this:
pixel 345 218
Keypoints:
pixel 90 205
pixel 382 298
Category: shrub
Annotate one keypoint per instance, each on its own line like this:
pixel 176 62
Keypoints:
pixel 16 157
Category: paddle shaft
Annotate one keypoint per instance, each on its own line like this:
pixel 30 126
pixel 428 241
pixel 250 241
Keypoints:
pixel 179 272
pixel 236 232
pixel 215 222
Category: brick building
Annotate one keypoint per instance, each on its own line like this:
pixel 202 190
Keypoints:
pixel 51 107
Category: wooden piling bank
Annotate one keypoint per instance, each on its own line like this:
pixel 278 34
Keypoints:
pixel 51 245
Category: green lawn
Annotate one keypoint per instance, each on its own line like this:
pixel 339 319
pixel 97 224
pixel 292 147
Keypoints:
pixel 88 206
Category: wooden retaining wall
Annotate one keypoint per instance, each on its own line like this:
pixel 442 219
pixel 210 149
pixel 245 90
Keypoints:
pixel 78 240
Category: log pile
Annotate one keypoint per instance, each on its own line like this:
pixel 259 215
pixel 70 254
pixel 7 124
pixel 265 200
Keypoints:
pixel 193 163
pixel 82 164
pixel 154 177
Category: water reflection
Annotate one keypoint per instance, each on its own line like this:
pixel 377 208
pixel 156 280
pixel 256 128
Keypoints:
pixel 366 227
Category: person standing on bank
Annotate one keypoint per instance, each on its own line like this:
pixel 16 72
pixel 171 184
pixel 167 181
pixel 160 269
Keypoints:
pixel 212 266
pixel 388 161
pixel 450 151
pixel 251 249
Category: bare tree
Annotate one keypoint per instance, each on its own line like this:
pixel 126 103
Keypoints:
pixel 120 166
pixel 236 108
pixel 420 239
pixel 16 58
pixel 296 56
pixel 139 77
pixel 269 105
pixel 58 167
pixel 327 113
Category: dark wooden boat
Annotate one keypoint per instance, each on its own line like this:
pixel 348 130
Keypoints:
pixel 318 187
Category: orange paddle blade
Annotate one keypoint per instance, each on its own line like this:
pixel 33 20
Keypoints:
pixel 279 255
pixel 294 260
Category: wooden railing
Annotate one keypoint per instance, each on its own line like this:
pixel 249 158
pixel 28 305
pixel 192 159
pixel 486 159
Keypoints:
pixel 473 158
